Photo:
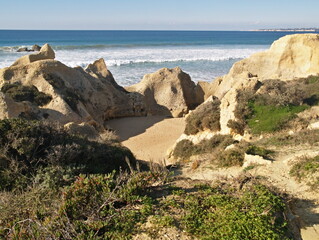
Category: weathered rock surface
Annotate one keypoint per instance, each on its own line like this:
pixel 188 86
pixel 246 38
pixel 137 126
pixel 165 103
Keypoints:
pixel 290 57
pixel 36 48
pixel 99 70
pixel 92 95
pixel 46 52
pixel 77 95
pixel 23 49
pixel 168 92
pixel 255 160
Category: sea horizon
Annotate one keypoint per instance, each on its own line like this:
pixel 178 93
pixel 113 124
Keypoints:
pixel 130 54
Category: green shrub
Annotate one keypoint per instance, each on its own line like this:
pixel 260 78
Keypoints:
pixel 260 151
pixel 231 157
pixel 205 116
pixel 307 170
pixel 253 212
pixel 185 148
pixel 230 217
pixel 107 207
pixel 117 207
pixel 237 126
pixel 274 105
pixel 21 93
pixel 29 146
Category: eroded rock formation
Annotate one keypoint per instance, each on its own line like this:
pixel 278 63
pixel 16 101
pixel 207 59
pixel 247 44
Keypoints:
pixel 168 92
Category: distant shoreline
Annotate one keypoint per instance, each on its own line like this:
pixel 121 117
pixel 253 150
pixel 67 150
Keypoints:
pixel 288 30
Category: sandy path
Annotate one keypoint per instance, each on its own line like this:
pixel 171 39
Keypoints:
pixel 148 138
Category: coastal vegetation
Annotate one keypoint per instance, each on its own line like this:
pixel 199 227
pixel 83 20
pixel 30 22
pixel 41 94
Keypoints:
pixel 57 185
pixel 205 116
pixel 306 169
pixel 275 106
pixel 33 150
pixel 30 93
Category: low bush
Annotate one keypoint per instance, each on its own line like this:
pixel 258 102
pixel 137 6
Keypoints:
pixel 30 146
pixel 105 206
pixel 260 151
pixel 205 116
pixel 310 137
pixel 185 148
pixel 231 157
pixel 222 212
pixel 275 104
pixel 306 169
pixel 238 127
pixel 21 93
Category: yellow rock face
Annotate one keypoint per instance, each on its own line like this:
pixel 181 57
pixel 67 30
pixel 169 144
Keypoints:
pixel 290 57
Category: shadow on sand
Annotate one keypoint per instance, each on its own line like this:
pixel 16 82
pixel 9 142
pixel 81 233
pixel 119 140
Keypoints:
pixel 129 127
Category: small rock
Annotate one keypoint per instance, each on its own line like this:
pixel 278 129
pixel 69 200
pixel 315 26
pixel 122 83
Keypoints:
pixel 36 47
pixel 255 159
pixel 23 49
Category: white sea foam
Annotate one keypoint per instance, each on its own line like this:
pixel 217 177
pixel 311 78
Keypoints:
pixel 125 56
pixel 129 64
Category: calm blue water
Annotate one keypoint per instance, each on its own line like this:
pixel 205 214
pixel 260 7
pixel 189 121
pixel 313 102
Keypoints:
pixel 131 54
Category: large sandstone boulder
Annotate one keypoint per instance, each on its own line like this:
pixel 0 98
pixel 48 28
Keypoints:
pixel 75 95
pixel 168 92
pixel 46 52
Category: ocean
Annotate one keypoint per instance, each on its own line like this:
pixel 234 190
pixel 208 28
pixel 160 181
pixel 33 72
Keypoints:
pixel 129 55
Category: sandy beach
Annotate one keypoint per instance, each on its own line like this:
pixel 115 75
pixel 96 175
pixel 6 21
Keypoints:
pixel 150 137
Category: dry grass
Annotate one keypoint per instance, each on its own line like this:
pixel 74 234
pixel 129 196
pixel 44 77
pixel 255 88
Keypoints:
pixel 205 116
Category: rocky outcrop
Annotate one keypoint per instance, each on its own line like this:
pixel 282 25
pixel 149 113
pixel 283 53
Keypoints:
pixel 292 57
pixel 255 160
pixel 46 52
pixel 35 48
pixel 38 87
pixel 24 49
pixel 99 70
pixel 78 95
pixel 168 92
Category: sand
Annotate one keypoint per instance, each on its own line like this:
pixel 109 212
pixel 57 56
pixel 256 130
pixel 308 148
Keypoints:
pixel 150 137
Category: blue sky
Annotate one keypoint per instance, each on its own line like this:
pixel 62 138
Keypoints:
pixel 158 15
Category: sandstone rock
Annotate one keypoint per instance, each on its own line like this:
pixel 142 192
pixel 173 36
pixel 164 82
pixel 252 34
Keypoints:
pixel 168 92
pixel 290 57
pixel 313 126
pixel 46 52
pixel 255 159
pixel 98 69
pixel 23 49
pixel 36 48
pixel 77 96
